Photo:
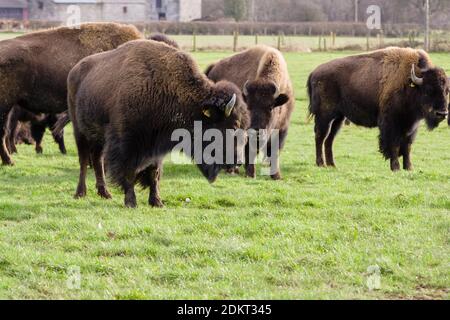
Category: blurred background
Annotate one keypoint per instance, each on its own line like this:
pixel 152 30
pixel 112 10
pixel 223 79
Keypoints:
pixel 290 25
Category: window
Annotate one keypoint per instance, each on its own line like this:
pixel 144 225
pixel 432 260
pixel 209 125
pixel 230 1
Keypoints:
pixel 162 16
pixel 125 9
pixel 41 5
pixel 158 4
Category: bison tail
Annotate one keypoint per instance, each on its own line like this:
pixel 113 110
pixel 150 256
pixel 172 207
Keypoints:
pixel 61 123
pixel 311 111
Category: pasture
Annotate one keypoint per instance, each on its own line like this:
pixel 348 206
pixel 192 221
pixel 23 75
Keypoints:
pixel 317 234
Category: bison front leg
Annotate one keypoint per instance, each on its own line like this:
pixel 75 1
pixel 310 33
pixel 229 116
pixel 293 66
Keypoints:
pixel 395 163
pixel 155 176
pixel 390 142
pixel 130 195
pixel 250 159
pixel 4 154
pixel 406 152
pixel 37 132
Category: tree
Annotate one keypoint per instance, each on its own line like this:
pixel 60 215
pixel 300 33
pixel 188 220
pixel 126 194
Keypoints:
pixel 236 9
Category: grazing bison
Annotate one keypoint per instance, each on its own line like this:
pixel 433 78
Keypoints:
pixel 262 74
pixel 392 89
pixel 38 123
pixel 64 119
pixel 34 67
pixel 129 115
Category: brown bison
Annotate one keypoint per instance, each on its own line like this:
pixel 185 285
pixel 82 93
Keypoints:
pixel 38 123
pixel 263 75
pixel 128 116
pixel 34 67
pixel 392 89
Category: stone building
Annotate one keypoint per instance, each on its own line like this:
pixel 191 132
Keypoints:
pixel 14 9
pixel 114 10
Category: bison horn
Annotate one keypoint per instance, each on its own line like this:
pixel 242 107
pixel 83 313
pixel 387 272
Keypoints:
pixel 418 81
pixel 230 106
pixel 277 91
pixel 245 91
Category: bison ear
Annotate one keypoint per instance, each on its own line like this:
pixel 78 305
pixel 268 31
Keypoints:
pixel 281 100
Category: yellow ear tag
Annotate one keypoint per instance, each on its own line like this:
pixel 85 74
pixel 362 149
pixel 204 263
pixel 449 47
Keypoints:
pixel 207 113
pixel 412 85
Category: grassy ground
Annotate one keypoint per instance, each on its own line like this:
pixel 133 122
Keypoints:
pixel 316 234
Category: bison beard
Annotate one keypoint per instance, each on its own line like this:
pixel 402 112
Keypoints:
pixel 31 76
pixel 392 96
pixel 128 116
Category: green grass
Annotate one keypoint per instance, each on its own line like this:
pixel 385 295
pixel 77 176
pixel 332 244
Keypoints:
pixel 312 235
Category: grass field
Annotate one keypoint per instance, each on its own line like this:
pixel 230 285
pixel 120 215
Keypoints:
pixel 316 234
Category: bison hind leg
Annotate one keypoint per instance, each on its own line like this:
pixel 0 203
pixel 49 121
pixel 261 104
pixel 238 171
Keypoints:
pixel 83 156
pixel 335 127
pixel 322 130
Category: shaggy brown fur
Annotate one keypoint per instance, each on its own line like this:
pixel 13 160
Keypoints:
pixel 34 67
pixel 376 89
pixel 259 71
pixel 163 38
pixel 130 115
pixel 37 124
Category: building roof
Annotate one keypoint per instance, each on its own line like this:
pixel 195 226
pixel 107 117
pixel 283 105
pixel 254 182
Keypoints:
pixel 75 1
pixel 13 4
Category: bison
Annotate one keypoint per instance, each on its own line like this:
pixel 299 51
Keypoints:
pixel 34 67
pixel 125 119
pixel 38 123
pixel 262 74
pixel 392 89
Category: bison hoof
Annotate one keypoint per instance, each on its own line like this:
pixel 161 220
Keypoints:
pixel 39 150
pixel 156 203
pixel 131 204
pixel 8 163
pixel 276 176
pixel 104 193
pixel 80 194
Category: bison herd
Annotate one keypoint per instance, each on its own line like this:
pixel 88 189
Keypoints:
pixel 126 95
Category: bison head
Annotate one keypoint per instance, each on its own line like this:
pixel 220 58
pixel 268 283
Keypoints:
pixel 433 89
pixel 225 120
pixel 263 97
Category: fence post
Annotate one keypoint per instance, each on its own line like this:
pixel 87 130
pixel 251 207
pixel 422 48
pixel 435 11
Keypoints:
pixel 256 39
pixel 235 41
pixel 194 41
pixel 320 43
pixel 325 44
pixel 279 42
pixel 334 39
pixel 368 41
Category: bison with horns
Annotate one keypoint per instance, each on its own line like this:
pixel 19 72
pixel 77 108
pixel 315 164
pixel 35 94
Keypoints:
pixel 125 119
pixel 392 89
pixel 34 67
